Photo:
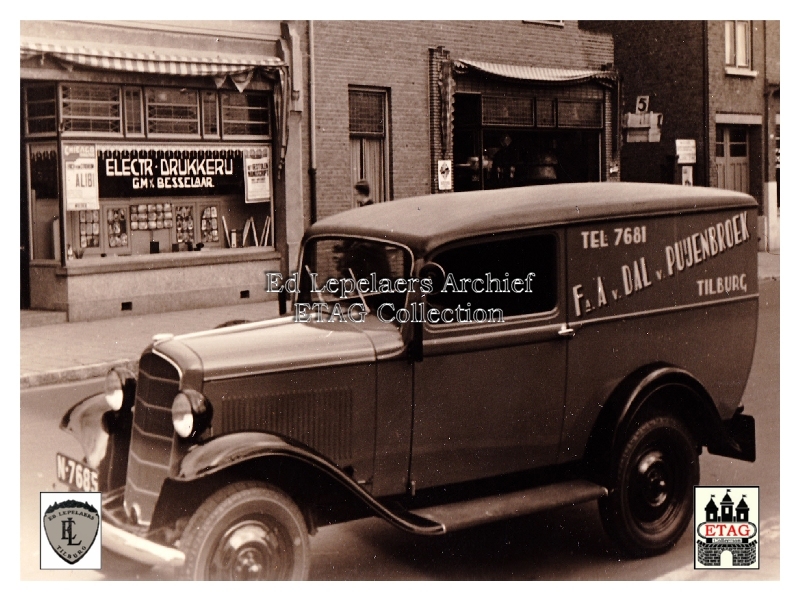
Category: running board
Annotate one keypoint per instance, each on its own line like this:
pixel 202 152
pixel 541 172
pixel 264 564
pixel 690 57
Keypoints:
pixel 461 515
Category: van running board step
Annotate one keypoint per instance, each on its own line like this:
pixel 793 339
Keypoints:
pixel 470 513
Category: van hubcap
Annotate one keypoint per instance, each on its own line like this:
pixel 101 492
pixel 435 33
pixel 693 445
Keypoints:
pixel 252 550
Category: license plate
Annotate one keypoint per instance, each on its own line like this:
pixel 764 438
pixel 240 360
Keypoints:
pixel 76 475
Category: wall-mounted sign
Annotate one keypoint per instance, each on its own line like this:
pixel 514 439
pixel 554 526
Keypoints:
pixel 643 127
pixel 445 175
pixel 256 182
pixel 642 104
pixel 133 171
pixel 687 175
pixel 686 151
pixel 80 177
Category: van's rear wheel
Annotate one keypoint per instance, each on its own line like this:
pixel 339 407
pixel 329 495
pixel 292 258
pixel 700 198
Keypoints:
pixel 246 531
pixel 652 487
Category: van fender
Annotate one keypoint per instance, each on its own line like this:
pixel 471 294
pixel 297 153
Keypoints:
pixel 227 451
pixel 640 392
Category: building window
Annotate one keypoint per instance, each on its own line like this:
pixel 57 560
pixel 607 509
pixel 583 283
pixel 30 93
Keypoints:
pixel 172 111
pixel 91 109
pixel 40 109
pixel 368 159
pixel 738 44
pixel 132 111
pixel 210 115
pixel 134 119
pixel 244 114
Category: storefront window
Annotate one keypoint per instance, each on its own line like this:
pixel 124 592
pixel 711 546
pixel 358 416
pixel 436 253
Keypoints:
pixel 210 115
pixel 134 120
pixel 130 111
pixel 91 108
pixel 517 140
pixel 40 109
pixel 172 111
pixel 244 115
pixel 128 197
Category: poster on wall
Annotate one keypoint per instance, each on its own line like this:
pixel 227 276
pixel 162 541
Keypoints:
pixel 80 177
pixel 445 175
pixel 256 179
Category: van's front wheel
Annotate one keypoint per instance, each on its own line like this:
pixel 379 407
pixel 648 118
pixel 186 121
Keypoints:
pixel 246 531
pixel 651 493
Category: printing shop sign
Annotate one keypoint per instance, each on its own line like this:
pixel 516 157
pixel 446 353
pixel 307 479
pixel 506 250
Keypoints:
pixel 134 172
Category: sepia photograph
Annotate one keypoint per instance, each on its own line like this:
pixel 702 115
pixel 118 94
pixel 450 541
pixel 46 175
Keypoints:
pixel 400 300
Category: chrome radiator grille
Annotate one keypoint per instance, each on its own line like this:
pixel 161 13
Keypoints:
pixel 152 435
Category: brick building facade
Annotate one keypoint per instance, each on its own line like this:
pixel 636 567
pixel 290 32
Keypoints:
pixel 298 112
pixel 716 83
pixel 392 99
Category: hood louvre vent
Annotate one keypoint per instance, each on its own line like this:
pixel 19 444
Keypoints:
pixel 321 419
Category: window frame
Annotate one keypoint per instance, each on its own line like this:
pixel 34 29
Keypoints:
pixel 508 320
pixel 159 135
pixel 734 64
pixel 26 103
pixel 221 122
pixel 384 138
pixel 128 129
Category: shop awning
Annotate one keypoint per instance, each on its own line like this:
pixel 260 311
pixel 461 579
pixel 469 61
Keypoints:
pixel 531 73
pixel 156 61
pixel 163 61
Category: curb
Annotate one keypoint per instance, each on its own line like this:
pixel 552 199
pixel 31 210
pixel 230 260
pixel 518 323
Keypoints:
pixel 73 374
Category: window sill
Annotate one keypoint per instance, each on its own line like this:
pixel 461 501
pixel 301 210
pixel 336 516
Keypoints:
pixel 167 260
pixel 549 23
pixel 740 72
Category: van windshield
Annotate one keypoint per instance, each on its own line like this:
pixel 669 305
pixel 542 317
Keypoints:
pixel 348 269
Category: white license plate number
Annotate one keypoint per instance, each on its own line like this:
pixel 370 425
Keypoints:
pixel 76 475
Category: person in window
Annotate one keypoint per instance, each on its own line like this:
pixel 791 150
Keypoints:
pixel 362 189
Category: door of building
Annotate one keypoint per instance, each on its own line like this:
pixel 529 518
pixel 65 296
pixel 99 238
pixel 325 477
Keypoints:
pixel 733 159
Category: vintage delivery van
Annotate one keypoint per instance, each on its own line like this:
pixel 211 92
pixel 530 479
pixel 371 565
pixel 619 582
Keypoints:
pixel 446 361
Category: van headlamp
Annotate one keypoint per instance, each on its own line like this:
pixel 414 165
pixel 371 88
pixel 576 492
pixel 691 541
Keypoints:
pixel 114 386
pixel 191 413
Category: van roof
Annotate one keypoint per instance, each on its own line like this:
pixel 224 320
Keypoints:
pixel 425 222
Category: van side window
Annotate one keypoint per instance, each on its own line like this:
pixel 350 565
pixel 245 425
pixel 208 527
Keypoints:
pixel 516 275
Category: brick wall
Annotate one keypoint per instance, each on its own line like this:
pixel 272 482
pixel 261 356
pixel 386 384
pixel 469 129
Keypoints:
pixel 395 56
pixel 663 60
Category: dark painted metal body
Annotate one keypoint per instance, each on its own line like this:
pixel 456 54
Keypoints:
pixel 488 400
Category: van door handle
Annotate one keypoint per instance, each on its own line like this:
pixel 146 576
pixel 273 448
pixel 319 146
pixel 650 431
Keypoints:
pixel 567 332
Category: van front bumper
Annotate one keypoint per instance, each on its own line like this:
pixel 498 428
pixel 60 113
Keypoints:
pixel 122 540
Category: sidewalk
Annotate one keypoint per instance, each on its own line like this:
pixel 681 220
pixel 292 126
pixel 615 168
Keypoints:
pixel 62 352
pixel 75 351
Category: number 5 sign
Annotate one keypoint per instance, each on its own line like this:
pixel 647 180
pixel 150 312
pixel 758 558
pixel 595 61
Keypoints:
pixel 642 104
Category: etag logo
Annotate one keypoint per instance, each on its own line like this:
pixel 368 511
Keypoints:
pixel 726 528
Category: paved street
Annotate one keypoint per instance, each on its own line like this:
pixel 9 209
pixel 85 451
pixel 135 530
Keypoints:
pixel 565 544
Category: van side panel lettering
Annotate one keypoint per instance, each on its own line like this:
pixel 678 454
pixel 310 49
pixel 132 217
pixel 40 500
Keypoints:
pixel 681 260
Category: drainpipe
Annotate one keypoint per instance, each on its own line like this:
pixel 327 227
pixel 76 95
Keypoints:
pixel 706 109
pixel 312 127
pixel 770 188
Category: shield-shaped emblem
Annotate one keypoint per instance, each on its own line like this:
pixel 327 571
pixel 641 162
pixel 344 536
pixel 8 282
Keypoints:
pixel 71 527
